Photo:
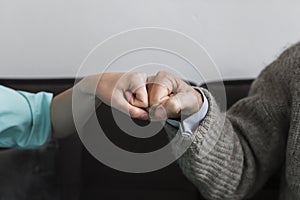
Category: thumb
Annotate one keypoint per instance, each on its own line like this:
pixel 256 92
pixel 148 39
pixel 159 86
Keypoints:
pixel 124 106
pixel 136 92
pixel 169 108
pixel 157 94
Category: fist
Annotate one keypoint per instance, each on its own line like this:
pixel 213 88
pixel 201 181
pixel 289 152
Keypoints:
pixel 159 97
pixel 171 97
pixel 125 92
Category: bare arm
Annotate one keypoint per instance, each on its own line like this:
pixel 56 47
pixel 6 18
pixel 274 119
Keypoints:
pixel 115 89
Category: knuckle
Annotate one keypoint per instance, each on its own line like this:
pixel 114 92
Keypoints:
pixel 139 74
pixel 162 73
pixel 136 80
pixel 150 80
pixel 175 106
pixel 143 74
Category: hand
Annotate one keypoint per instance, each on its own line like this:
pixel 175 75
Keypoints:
pixel 124 91
pixel 170 97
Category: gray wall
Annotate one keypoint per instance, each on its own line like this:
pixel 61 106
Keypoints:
pixel 50 38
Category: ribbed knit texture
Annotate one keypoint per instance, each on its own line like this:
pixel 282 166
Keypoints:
pixel 232 156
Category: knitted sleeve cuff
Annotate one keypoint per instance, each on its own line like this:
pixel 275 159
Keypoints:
pixel 206 134
pixel 209 161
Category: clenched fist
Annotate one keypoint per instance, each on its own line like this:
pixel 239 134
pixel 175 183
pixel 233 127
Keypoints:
pixel 163 96
pixel 125 91
pixel 159 97
pixel 171 97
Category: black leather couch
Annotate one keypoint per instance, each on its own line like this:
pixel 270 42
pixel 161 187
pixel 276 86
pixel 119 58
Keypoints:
pixel 65 170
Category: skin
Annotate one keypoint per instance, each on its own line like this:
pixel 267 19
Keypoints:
pixel 171 97
pixel 157 98
pixel 125 91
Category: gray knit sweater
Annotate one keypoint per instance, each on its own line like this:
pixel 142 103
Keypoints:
pixel 233 154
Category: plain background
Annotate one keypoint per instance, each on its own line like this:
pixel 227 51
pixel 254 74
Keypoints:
pixel 50 38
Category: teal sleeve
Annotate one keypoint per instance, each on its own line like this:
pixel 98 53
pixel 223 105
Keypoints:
pixel 24 118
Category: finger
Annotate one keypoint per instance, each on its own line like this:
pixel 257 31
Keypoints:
pixel 160 87
pixel 157 93
pixel 124 106
pixel 137 113
pixel 140 98
pixel 150 79
pixel 170 108
pixel 190 101
pixel 178 106
pixel 137 86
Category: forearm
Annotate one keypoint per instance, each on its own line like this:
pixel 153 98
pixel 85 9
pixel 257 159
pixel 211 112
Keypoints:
pixel 232 157
pixel 61 107
pixel 113 89
pixel 214 160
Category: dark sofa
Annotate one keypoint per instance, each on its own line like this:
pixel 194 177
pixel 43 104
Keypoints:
pixel 65 170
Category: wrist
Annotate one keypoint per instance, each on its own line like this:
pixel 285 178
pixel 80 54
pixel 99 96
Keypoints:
pixel 191 102
pixel 88 87
pixel 200 98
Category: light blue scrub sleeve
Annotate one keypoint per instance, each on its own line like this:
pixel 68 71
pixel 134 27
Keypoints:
pixel 24 118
